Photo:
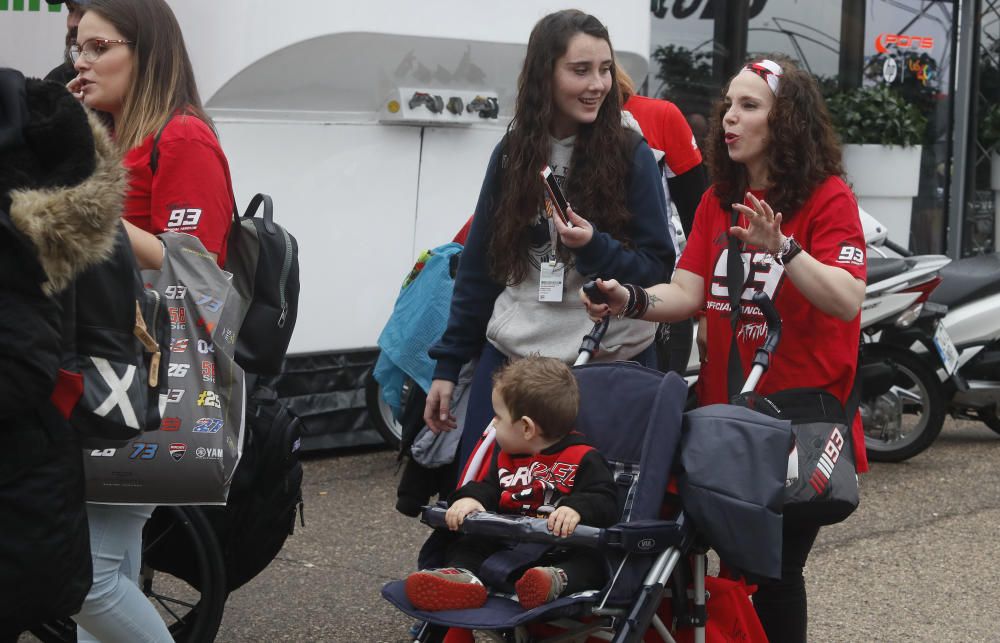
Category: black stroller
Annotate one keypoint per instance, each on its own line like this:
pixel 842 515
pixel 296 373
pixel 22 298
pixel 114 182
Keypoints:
pixel 633 416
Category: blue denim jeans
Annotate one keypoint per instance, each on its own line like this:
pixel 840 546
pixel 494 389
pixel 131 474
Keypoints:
pixel 116 610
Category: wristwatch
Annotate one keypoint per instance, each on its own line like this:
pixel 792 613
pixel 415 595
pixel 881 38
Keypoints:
pixel 788 249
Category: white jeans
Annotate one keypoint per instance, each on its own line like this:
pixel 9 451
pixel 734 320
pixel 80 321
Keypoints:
pixel 116 610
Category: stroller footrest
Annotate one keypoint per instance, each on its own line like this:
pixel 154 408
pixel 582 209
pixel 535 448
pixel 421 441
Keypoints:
pixel 510 527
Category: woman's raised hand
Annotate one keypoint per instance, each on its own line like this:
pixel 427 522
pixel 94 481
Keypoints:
pixel 764 228
pixel 577 236
pixel 617 298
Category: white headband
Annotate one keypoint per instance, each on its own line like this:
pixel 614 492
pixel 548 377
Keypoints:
pixel 769 70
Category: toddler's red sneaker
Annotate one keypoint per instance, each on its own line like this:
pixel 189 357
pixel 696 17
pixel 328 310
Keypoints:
pixel 448 588
pixel 540 585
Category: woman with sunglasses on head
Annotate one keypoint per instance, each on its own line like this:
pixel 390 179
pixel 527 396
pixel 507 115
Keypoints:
pixel 521 264
pixel 778 197
pixel 134 69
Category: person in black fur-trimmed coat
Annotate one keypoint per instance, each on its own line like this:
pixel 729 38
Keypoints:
pixel 61 187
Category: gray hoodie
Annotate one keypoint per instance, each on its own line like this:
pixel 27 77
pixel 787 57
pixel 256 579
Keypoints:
pixel 521 324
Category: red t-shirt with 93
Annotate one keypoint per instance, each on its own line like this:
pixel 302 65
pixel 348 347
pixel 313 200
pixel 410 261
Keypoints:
pixel 816 349
pixel 190 191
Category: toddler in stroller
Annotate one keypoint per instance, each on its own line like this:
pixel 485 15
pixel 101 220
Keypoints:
pixel 543 468
pixel 633 415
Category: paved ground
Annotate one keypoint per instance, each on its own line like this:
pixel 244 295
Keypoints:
pixel 919 561
pixel 915 563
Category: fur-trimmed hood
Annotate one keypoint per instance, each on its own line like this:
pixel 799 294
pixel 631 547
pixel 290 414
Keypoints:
pixel 73 227
pixel 65 185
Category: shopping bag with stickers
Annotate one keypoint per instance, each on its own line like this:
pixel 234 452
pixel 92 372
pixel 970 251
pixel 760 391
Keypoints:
pixel 191 458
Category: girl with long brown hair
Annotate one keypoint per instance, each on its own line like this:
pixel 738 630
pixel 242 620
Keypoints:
pixel 779 200
pixel 520 267
pixel 134 70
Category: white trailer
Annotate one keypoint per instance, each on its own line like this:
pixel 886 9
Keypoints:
pixel 301 93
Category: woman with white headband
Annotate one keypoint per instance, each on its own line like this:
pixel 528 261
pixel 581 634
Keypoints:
pixel 777 197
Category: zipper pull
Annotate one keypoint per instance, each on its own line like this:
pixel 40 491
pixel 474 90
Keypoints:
pixel 283 316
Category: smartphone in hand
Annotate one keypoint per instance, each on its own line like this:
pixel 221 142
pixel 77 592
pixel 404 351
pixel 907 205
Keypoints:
pixel 556 195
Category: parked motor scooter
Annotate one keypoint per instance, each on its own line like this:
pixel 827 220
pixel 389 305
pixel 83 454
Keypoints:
pixel 901 396
pixel 966 350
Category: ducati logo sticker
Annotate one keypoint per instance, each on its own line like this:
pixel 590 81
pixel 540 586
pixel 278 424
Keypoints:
pixel 177 450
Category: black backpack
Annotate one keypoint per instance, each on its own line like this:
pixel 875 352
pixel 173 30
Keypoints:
pixel 264 260
pixel 264 499
pixel 122 350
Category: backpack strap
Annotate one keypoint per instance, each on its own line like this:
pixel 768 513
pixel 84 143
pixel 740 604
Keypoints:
pixel 735 282
pixel 255 204
pixel 154 154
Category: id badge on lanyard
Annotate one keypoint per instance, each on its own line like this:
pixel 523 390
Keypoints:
pixel 552 273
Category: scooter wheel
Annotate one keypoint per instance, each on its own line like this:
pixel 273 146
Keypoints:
pixel 905 420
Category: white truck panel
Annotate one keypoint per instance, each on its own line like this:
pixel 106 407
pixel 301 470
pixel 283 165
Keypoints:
pixel 451 174
pixel 350 205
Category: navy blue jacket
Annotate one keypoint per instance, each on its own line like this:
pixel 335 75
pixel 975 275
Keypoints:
pixel 648 260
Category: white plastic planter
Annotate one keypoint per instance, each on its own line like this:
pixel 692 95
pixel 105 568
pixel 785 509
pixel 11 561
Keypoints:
pixel 885 179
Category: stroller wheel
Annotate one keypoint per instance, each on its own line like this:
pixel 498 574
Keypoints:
pixel 191 602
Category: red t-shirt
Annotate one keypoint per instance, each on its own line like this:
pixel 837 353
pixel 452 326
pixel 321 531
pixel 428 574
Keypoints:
pixel 191 190
pixel 666 129
pixel 816 349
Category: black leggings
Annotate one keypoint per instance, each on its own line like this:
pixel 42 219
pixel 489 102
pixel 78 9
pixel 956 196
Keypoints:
pixel 781 605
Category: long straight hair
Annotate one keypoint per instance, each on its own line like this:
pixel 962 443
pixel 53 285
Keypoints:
pixel 162 80
pixel 600 161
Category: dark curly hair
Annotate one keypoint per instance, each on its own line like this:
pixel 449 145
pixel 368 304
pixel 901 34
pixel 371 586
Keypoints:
pixel 600 161
pixel 803 150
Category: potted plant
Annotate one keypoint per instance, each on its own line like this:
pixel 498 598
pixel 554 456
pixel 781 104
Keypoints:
pixel 881 132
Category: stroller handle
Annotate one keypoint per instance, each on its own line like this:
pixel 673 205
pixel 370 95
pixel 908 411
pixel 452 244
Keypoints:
pixel 762 357
pixel 594 293
pixel 766 306
pixel 592 340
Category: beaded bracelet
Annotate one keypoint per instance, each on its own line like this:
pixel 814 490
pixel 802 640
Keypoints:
pixel 638 303
pixel 641 303
pixel 630 304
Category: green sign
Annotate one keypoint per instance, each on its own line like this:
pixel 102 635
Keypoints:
pixel 32 5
